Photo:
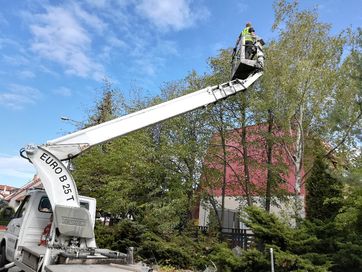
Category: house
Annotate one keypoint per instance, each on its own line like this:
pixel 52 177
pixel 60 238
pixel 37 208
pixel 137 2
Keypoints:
pixel 6 190
pixel 17 196
pixel 235 188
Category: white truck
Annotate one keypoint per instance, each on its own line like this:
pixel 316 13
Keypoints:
pixel 53 229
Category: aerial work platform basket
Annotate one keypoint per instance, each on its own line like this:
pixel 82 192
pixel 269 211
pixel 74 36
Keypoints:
pixel 242 67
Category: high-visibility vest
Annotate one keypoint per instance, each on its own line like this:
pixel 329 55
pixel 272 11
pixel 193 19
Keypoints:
pixel 245 33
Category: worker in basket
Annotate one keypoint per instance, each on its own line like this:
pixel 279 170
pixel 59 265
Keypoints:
pixel 249 36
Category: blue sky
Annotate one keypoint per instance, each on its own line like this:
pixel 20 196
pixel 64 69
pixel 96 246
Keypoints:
pixel 54 55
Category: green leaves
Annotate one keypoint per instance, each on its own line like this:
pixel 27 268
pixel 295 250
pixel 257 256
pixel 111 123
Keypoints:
pixel 324 192
pixel 294 247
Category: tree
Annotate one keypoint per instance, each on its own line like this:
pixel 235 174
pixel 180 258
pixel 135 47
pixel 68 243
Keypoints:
pixel 303 73
pixel 116 171
pixel 149 175
pixel 348 224
pixel 228 122
pixel 181 145
pixel 107 107
pixel 341 238
pixel 324 192
pixel 294 247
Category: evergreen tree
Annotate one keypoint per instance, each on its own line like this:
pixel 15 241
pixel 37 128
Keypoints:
pixel 348 228
pixel 294 247
pixel 323 192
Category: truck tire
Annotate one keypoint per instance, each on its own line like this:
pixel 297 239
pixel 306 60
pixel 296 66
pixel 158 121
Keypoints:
pixel 3 260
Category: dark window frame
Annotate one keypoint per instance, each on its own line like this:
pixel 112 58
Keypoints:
pixel 19 212
pixel 41 201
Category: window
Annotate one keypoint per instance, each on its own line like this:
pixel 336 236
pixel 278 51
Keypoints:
pixel 44 205
pixel 23 206
pixel 231 220
pixel 84 205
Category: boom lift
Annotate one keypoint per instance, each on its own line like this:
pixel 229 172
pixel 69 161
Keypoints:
pixel 71 240
pixel 241 66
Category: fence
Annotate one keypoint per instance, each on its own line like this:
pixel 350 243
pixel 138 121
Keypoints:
pixel 234 237
pixel 238 237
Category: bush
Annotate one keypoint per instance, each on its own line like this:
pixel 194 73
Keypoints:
pixel 163 252
pixel 254 260
pixel 225 259
pixel 119 237
pixel 6 214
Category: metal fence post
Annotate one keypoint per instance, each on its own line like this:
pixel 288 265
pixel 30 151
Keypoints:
pixel 272 259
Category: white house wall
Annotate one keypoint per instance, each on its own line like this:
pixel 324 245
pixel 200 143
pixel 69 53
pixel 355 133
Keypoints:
pixel 283 209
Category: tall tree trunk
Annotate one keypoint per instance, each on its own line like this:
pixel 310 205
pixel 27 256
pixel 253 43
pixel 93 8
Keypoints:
pixel 245 153
pixel 223 158
pixel 298 161
pixel 223 187
pixel 269 152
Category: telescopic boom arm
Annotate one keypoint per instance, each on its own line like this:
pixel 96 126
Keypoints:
pixel 57 180
pixel 72 144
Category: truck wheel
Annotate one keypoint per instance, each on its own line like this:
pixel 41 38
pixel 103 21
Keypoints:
pixel 3 260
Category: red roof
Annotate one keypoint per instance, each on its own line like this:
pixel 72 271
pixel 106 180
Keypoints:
pixel 257 156
pixel 35 181
pixel 7 188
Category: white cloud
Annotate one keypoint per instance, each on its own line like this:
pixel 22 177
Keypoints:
pixel 8 42
pixel 19 96
pixel 60 35
pixel 217 46
pixel 16 60
pixel 113 41
pixel 112 44
pixel 89 19
pixel 82 37
pixel 25 74
pixel 242 7
pixel 148 61
pixel 3 21
pixel 176 14
pixel 15 167
pixel 63 91
pixel 97 3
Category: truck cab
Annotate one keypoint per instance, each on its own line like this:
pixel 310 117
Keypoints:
pixel 26 228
